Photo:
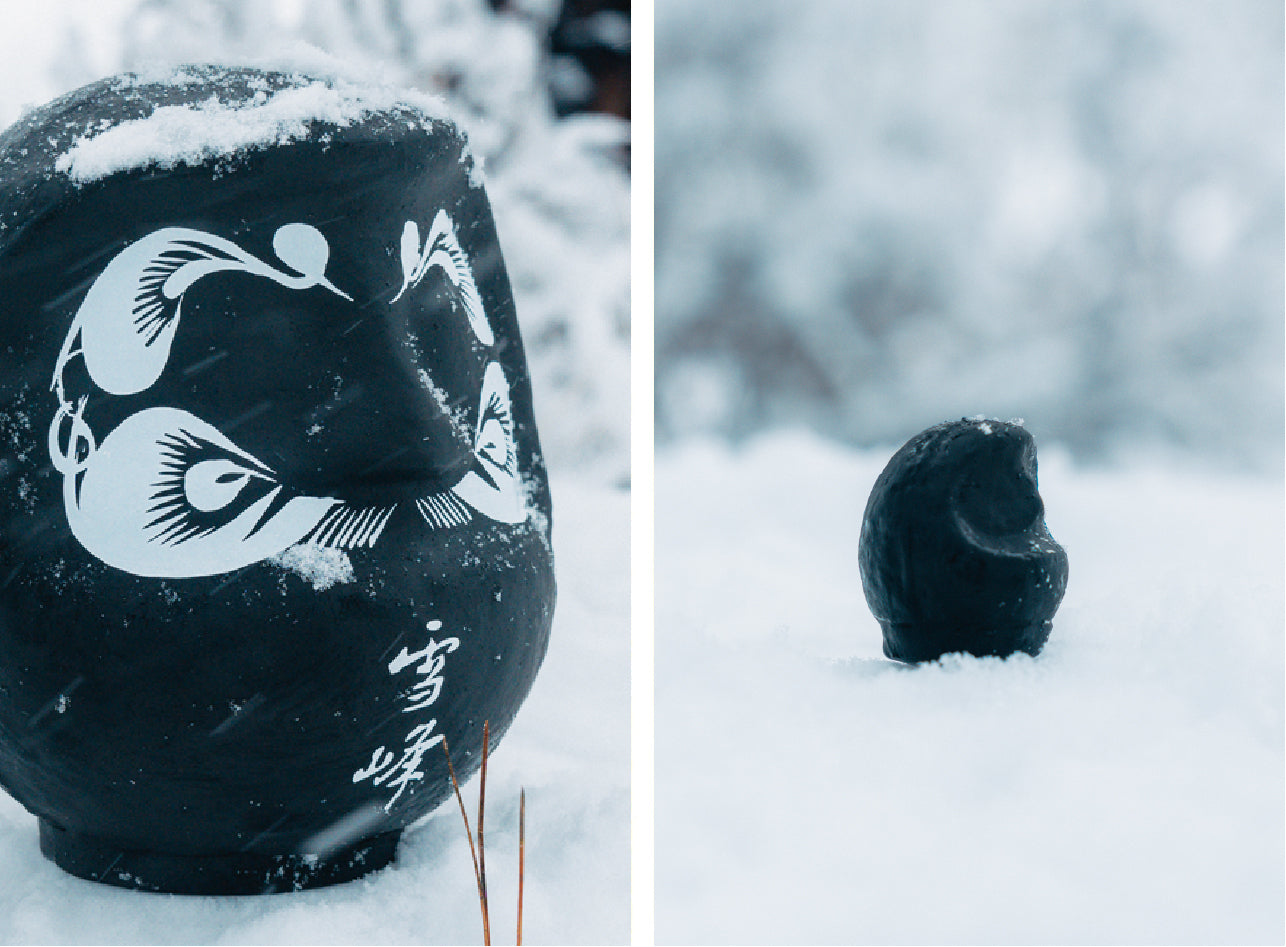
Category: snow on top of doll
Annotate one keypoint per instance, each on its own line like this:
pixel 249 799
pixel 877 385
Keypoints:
pixel 195 133
pixel 984 422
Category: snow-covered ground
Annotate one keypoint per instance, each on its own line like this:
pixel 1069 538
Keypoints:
pixel 569 747
pixel 1124 787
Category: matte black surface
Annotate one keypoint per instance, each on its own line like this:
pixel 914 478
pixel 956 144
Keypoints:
pixel 169 687
pixel 954 552
pixel 93 859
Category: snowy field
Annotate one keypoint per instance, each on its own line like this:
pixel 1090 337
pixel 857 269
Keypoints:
pixel 1124 787
pixel 568 746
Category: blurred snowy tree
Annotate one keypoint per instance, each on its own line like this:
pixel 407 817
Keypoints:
pixel 873 216
pixel 591 57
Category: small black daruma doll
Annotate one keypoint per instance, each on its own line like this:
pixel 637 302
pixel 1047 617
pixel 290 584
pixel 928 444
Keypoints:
pixel 954 552
pixel 274 521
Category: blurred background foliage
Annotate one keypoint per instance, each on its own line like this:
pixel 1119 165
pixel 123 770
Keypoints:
pixel 543 86
pixel 872 216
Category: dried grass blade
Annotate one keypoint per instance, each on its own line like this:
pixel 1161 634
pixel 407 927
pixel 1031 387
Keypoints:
pixel 482 851
pixel 473 852
pixel 522 841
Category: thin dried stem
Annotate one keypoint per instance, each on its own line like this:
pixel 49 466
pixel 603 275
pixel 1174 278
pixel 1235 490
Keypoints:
pixel 473 852
pixel 482 851
pixel 522 840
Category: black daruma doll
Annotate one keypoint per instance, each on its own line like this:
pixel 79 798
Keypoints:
pixel 274 522
pixel 954 553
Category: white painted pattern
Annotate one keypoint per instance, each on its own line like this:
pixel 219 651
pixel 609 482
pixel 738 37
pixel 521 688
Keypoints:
pixel 167 494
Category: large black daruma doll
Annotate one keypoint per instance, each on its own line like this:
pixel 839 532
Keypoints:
pixel 274 522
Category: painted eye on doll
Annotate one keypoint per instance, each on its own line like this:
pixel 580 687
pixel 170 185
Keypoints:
pixel 495 433
pixel 441 250
pixel 202 480
pixel 492 446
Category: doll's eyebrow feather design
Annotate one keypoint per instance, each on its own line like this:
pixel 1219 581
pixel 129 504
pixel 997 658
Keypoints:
pixel 442 249
pixel 150 304
pixel 126 323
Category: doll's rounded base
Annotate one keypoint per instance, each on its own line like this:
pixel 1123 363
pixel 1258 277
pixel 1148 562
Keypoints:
pixel 90 857
pixel 913 644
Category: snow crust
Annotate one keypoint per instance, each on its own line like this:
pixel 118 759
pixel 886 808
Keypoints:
pixel 180 134
pixel 1124 787
pixel 319 566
